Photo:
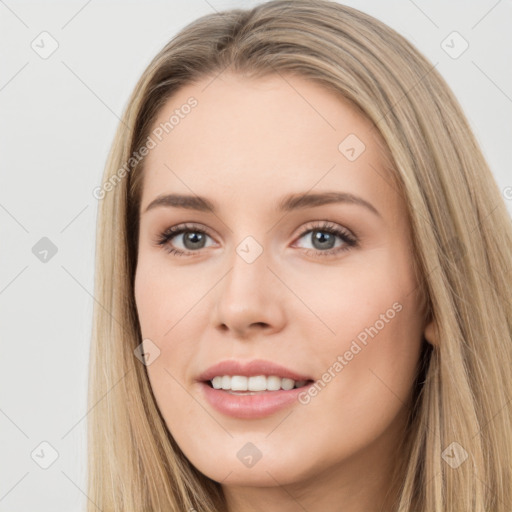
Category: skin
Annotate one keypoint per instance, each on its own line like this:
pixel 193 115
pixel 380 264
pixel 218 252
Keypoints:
pixel 248 143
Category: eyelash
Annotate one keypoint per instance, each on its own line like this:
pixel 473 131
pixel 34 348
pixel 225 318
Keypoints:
pixel 349 240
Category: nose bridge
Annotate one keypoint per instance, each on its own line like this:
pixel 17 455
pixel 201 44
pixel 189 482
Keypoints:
pixel 249 293
pixel 249 258
pixel 248 279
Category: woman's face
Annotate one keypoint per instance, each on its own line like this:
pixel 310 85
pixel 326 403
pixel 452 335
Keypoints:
pixel 321 285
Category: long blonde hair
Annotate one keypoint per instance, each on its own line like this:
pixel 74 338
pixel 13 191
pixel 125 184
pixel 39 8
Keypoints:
pixel 462 237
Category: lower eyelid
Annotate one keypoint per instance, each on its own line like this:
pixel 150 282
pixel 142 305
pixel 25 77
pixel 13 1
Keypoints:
pixel 349 240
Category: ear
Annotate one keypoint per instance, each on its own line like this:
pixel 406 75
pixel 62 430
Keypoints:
pixel 430 333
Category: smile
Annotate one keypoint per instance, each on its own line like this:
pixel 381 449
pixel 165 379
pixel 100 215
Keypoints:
pixel 257 383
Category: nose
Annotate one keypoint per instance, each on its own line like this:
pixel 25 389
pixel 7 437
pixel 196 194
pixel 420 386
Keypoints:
pixel 250 298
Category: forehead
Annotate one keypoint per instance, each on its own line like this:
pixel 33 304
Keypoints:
pixel 251 140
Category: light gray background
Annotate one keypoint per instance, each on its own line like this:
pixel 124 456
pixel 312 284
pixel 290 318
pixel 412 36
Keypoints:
pixel 58 117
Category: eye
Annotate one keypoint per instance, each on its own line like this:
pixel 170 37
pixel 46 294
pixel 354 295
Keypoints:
pixel 323 238
pixel 194 239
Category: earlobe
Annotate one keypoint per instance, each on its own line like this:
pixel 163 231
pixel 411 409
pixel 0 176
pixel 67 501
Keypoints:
pixel 430 333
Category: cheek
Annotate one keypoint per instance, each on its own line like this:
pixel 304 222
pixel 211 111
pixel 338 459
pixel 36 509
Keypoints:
pixel 168 303
pixel 369 358
pixel 349 302
pixel 165 296
pixel 162 303
pixel 369 369
pixel 380 351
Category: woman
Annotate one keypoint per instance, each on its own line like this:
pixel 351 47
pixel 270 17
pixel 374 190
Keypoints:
pixel 234 368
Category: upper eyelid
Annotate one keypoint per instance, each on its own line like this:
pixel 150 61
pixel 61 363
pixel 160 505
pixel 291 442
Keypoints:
pixel 350 239
pixel 179 229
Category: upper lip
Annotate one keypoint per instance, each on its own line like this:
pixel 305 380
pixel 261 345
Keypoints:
pixel 250 369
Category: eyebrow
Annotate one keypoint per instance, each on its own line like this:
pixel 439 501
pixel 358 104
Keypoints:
pixel 287 204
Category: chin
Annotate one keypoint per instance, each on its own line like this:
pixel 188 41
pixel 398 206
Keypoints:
pixel 250 466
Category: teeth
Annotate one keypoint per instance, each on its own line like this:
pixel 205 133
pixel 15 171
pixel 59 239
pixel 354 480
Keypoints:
pixel 273 383
pixel 257 383
pixel 226 382
pixel 238 383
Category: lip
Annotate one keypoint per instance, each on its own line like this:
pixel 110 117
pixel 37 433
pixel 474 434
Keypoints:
pixel 250 369
pixel 258 405
pixel 250 406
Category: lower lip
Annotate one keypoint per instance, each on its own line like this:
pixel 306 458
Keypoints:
pixel 254 406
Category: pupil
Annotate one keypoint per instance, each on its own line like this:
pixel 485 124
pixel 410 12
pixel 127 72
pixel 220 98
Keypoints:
pixel 194 238
pixel 322 237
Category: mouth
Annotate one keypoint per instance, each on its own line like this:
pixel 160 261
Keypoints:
pixel 252 389
pixel 252 402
